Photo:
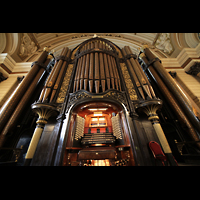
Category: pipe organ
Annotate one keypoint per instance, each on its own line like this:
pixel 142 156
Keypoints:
pixel 96 69
pixel 97 102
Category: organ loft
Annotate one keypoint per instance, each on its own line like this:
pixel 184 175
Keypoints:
pixel 99 104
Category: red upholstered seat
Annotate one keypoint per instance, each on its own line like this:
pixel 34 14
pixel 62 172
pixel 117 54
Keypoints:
pixel 157 152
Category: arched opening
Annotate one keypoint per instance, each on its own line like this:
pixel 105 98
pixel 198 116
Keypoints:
pixel 98 136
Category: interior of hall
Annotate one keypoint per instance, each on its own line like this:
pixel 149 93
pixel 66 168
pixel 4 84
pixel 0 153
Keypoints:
pixel 90 123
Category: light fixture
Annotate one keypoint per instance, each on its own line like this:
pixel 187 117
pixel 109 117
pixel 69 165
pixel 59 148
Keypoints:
pixel 96 109
pixel 97 114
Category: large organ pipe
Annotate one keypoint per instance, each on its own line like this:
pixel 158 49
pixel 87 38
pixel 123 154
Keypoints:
pixel 12 122
pixel 79 73
pixel 59 76
pixel 12 102
pixel 114 72
pixel 86 68
pixel 47 81
pixel 138 73
pixel 150 87
pixel 91 70
pixel 142 77
pixel 173 102
pixel 53 78
pixel 102 70
pixel 107 73
pixel 82 69
pixel 138 84
pixel 96 74
pixel 76 75
pixel 111 72
pixel 171 84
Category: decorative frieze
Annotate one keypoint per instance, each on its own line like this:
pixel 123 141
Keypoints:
pixel 129 84
pixel 65 84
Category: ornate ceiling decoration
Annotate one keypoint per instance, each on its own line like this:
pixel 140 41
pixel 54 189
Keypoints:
pixel 26 47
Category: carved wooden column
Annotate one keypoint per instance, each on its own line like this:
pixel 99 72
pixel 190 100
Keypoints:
pixel 44 111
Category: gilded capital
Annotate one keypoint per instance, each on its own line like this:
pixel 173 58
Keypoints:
pixel 141 55
pixel 46 49
pixel 144 47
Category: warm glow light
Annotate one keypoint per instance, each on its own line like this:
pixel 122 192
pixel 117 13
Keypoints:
pixel 101 118
pixel 102 108
pixel 92 109
pixel 95 109
pixel 94 119
pixel 97 115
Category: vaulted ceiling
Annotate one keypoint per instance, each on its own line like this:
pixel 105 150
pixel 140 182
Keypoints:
pixel 26 47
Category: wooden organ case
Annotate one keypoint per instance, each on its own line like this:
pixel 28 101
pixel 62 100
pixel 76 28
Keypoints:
pixel 97 108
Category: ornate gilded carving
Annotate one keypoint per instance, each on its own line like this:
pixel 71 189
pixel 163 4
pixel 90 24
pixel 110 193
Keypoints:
pixel 65 83
pixel 85 95
pixel 129 84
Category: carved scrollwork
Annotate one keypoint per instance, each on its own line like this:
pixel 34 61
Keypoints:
pixel 108 95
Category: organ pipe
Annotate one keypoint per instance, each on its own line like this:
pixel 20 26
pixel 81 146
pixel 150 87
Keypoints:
pixel 172 86
pixel 49 85
pixel 12 122
pixel 172 100
pixel 96 68
pixel 7 110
